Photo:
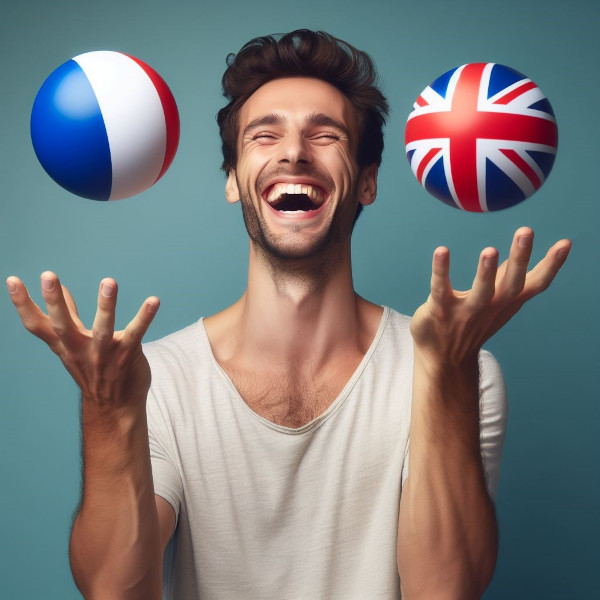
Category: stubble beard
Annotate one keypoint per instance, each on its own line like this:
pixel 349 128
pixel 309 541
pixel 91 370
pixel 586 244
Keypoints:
pixel 308 261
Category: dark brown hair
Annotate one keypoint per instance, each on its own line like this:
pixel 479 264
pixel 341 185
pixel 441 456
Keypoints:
pixel 304 53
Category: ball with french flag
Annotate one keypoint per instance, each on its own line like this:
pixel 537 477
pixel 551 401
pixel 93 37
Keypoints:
pixel 482 137
pixel 105 125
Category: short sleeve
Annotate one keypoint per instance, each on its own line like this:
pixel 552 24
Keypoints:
pixel 493 418
pixel 493 415
pixel 165 475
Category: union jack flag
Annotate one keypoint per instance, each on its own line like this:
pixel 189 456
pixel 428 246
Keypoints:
pixel 481 137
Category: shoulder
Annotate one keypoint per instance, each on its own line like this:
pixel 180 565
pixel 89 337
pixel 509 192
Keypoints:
pixel 392 348
pixel 174 342
pixel 177 350
pixel 395 331
pixel 178 363
pixel 397 321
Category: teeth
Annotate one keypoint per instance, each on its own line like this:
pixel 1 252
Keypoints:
pixel 299 188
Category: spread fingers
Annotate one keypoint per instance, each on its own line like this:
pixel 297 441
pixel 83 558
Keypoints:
pixel 136 329
pixel 542 275
pixel 513 280
pixel 58 311
pixel 484 285
pixel 441 290
pixel 103 328
pixel 32 317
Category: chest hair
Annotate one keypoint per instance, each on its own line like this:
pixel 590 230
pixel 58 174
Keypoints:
pixel 288 398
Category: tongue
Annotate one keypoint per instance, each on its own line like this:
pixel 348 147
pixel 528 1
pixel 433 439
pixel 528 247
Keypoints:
pixel 290 202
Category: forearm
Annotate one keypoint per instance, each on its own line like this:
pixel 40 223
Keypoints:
pixel 447 532
pixel 115 549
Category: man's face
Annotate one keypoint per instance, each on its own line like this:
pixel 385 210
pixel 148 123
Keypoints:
pixel 297 175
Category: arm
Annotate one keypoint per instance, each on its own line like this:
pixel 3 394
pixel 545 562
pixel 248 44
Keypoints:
pixel 447 531
pixel 121 530
pixel 116 549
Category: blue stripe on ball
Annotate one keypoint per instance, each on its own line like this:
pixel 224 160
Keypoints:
pixel 69 136
pixel 437 184
pixel 440 85
pixel 502 77
pixel 544 161
pixel 501 191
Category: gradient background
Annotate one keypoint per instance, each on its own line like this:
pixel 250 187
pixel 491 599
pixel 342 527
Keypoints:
pixel 182 242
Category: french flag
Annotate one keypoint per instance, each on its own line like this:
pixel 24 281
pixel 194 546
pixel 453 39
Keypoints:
pixel 105 126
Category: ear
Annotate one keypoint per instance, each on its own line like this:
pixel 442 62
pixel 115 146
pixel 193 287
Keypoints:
pixel 232 193
pixel 367 186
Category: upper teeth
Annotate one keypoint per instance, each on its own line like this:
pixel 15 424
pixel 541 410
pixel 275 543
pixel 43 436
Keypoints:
pixel 279 189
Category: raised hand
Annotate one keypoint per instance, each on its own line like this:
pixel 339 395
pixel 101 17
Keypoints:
pixel 451 326
pixel 109 367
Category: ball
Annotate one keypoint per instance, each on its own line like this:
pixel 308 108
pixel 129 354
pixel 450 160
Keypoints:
pixel 482 137
pixel 105 126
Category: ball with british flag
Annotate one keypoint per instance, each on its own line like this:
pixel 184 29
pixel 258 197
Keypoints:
pixel 482 137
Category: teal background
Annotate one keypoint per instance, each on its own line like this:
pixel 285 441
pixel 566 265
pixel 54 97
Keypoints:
pixel 182 242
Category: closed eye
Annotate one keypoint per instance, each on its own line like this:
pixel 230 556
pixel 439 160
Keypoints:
pixel 325 138
pixel 259 136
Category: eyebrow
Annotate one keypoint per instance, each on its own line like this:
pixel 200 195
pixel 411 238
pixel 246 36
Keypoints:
pixel 312 119
pixel 270 119
pixel 323 119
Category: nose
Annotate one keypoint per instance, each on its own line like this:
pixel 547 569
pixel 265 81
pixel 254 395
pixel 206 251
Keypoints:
pixel 294 149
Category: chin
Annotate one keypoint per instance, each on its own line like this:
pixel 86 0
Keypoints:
pixel 291 252
pixel 307 246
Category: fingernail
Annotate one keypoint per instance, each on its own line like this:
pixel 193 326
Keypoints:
pixel 489 261
pixel 12 287
pixel 107 290
pixel 525 241
pixel 151 308
pixel 47 284
pixel 562 253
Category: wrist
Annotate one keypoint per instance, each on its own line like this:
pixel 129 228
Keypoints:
pixel 115 438
pixel 113 414
pixel 445 397
pixel 454 367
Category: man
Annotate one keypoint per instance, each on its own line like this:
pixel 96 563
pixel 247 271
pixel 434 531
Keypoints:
pixel 272 447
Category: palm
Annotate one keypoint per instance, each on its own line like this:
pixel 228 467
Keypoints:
pixel 109 367
pixel 451 325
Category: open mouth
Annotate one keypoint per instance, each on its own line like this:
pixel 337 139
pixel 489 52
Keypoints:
pixel 294 198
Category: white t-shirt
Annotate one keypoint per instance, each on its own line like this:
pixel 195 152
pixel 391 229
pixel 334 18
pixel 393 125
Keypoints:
pixel 275 513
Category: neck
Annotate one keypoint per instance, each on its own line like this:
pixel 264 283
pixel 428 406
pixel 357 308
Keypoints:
pixel 297 282
pixel 299 309
pixel 295 314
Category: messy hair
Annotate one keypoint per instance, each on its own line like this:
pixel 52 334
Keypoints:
pixel 304 53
